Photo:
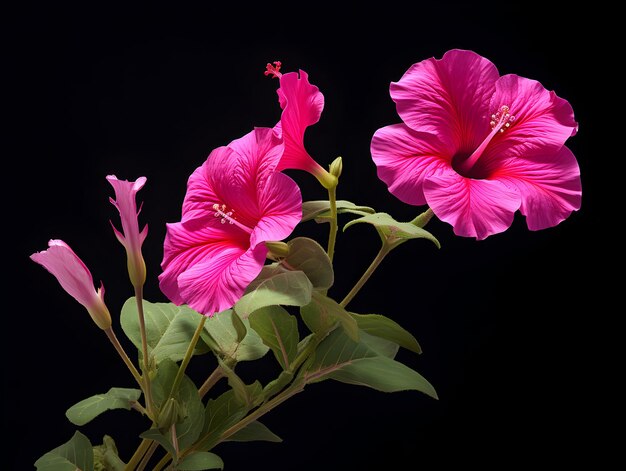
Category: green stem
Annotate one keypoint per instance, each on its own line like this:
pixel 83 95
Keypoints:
pixel 118 347
pixel 147 387
pixel 332 235
pixel 188 355
pixel 147 456
pixel 161 464
pixel 213 378
pixel 384 250
pixel 136 458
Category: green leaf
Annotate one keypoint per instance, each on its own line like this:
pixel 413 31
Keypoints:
pixel 157 436
pixel 190 426
pixel 75 454
pixel 220 330
pixel 381 346
pixel 169 329
pixel 309 257
pixel 239 326
pixel 321 209
pixel 87 409
pixel 105 456
pixel 201 460
pixel 220 414
pixel 388 227
pixel 381 326
pixel 255 431
pixel 341 358
pixel 249 395
pixel 321 314
pixel 279 331
pixel 276 385
pixel 291 288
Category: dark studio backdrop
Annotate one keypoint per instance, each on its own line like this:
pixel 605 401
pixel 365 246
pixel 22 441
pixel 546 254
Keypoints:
pixel 152 91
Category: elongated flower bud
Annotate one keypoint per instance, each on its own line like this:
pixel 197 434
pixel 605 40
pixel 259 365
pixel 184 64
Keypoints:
pixel 75 278
pixel 131 238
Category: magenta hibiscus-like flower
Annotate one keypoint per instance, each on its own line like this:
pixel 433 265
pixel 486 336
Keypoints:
pixel 476 147
pixel 235 202
pixel 302 104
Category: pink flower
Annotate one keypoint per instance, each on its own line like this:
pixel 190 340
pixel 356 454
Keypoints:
pixel 477 147
pixel 131 239
pixel 75 278
pixel 234 203
pixel 302 105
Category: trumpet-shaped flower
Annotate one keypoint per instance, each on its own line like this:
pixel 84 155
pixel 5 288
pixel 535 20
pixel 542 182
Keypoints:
pixel 477 147
pixel 234 203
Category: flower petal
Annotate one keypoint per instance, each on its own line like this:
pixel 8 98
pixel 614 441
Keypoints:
pixel 302 105
pixel 70 271
pixel 542 119
pixel 280 202
pixel 405 158
pixel 475 208
pixel 201 196
pixel 549 185
pixel 448 97
pixel 125 193
pixel 196 241
pixel 218 283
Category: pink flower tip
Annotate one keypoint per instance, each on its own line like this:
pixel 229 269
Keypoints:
pixel 75 278
pixel 273 70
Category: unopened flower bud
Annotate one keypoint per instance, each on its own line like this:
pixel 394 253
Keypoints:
pixel 277 250
pixel 170 414
pixel 336 167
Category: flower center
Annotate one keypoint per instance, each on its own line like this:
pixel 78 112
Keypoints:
pixel 227 216
pixel 500 121
pixel 273 70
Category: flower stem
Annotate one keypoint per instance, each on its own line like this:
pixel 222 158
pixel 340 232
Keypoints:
pixel 147 456
pixel 136 458
pixel 188 355
pixel 332 235
pixel 122 353
pixel 213 378
pixel 382 253
pixel 159 466
pixel 147 387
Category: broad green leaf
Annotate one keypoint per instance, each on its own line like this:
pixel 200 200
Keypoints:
pixel 199 461
pixel 250 395
pixel 239 326
pixel 321 209
pixel 321 314
pixel 291 288
pixel 76 454
pixel 220 330
pixel 169 329
pixel 220 414
pixel 388 227
pixel 381 346
pixel 163 381
pixel 255 431
pixel 381 326
pixel 279 331
pixel 309 257
pixel 87 409
pixel 191 408
pixel 341 358
pixel 157 436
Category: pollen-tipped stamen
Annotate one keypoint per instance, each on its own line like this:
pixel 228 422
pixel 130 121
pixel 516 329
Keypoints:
pixel 228 216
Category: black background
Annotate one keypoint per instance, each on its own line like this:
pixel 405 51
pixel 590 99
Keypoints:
pixel 503 322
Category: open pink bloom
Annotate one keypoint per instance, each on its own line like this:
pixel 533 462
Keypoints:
pixel 302 105
pixel 235 201
pixel 131 239
pixel 477 147
pixel 75 278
